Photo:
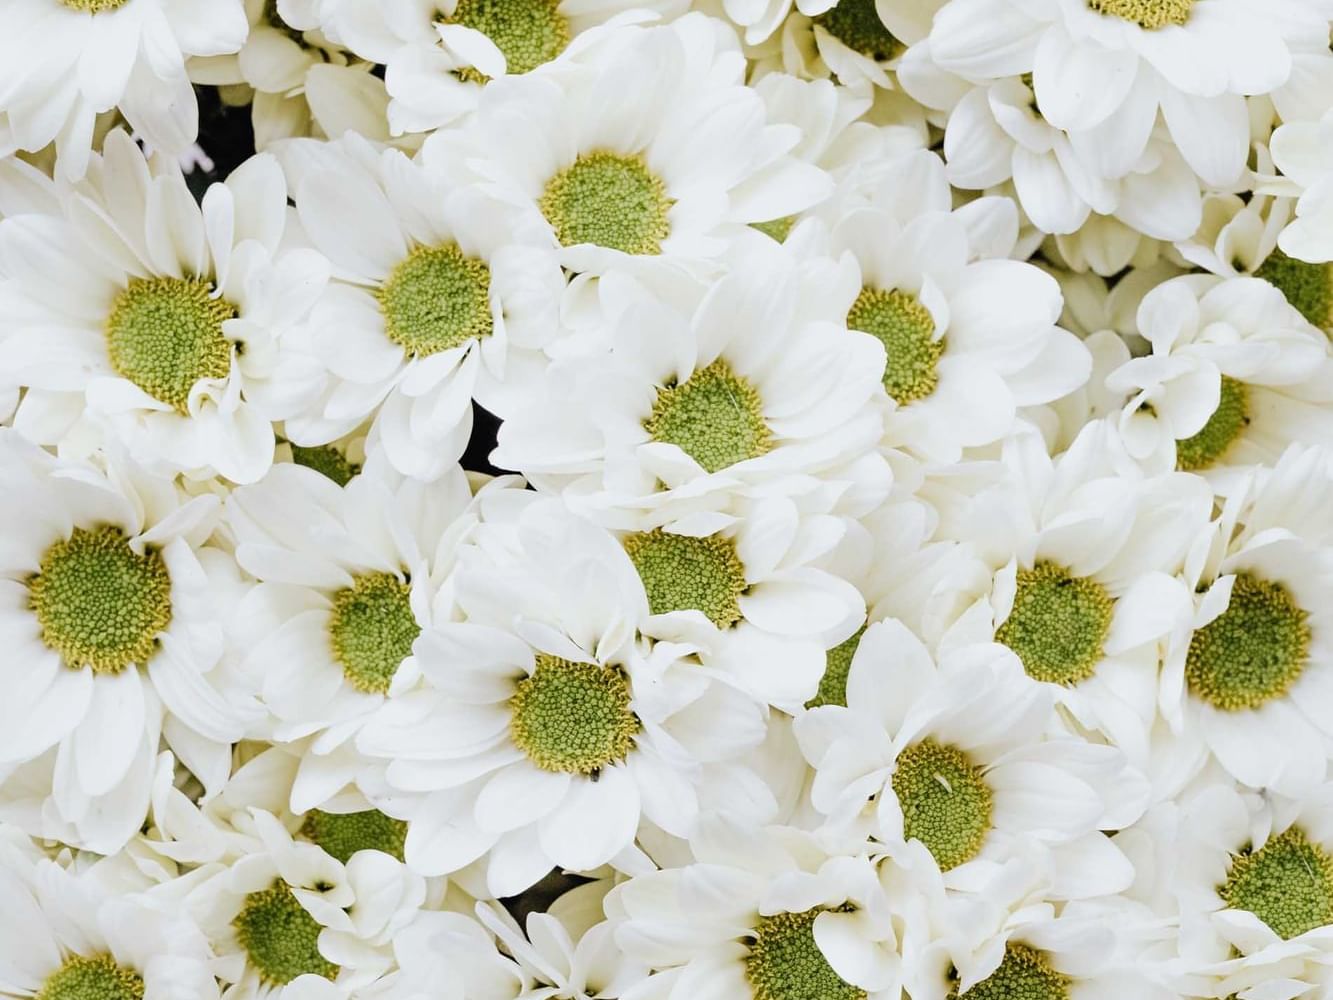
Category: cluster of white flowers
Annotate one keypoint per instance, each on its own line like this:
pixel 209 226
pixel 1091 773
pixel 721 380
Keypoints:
pixel 903 569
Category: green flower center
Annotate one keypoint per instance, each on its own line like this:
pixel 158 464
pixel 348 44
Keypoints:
pixel 1287 883
pixel 945 801
pixel 857 25
pixel 343 834
pixel 280 936
pixel 611 200
pixel 785 963
pixel 1023 974
pixel 94 6
pixel 98 602
pixel 572 718
pixel 165 334
pixel 1253 651
pixel 907 330
pixel 715 416
pixel 98 978
pixel 1149 14
pixel 1223 428
pixel 683 573
pixel 326 460
pixel 837 665
pixel 371 629
pixel 436 299
pixel 1058 624
pixel 776 229
pixel 1308 287
pixel 528 32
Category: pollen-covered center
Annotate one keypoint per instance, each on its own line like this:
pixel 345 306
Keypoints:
pixel 1287 883
pixel 1253 651
pixel 715 416
pixel 609 199
pixel 837 665
pixel 165 334
pixel 684 573
pixel 327 460
pixel 98 602
pixel 343 834
pixel 785 963
pixel 1149 14
pixel 436 299
pixel 528 33
pixel 1023 974
pixel 280 936
pixel 1058 624
pixel 945 801
pixel 96 978
pixel 857 25
pixel 1224 427
pixel 572 718
pixel 95 6
pixel 371 630
pixel 907 330
pixel 1308 287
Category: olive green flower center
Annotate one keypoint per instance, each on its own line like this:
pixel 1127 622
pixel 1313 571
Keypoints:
pixel 1058 624
pixel 907 330
pixel 611 200
pixel 436 299
pixel 371 630
pixel 776 229
pixel 837 665
pixel 573 718
pixel 683 573
pixel 1148 14
pixel 280 936
pixel 98 602
pixel 1308 287
pixel 715 416
pixel 94 6
pixel 1224 427
pixel 97 978
pixel 1287 883
pixel 1023 974
pixel 327 460
pixel 785 963
pixel 527 32
pixel 165 335
pixel 1253 651
pixel 945 801
pixel 343 834
pixel 857 25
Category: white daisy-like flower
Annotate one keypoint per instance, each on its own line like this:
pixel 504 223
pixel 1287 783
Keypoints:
pixel 1235 375
pixel 433 303
pixel 1303 151
pixel 62 62
pixel 168 329
pixel 114 620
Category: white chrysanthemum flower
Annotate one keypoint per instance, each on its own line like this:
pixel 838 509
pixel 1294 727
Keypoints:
pixel 1250 673
pixel 168 329
pixel 114 619
pixel 64 61
pixel 957 767
pixel 433 303
pixel 1235 375
pixel 1303 151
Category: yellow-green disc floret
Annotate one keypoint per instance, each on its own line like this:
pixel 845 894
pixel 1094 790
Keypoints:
pixel 945 801
pixel 326 460
pixel 573 718
pixel 837 665
pixel 371 630
pixel 776 229
pixel 436 299
pixel 343 834
pixel 95 6
pixel 683 573
pixel 1308 287
pixel 907 330
pixel 528 33
pixel 165 334
pixel 98 602
pixel 1223 429
pixel 715 416
pixel 280 936
pixel 611 200
pixel 857 25
pixel 1253 651
pixel 96 978
pixel 1287 883
pixel 785 963
pixel 1149 14
pixel 1058 624
pixel 1023 974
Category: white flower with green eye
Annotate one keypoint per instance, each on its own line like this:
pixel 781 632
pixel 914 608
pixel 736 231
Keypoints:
pixel 1301 150
pixel 114 618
